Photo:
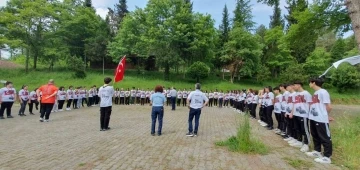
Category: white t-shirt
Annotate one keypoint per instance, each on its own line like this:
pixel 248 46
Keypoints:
pixel 255 99
pixel 61 95
pixel 179 95
pixel 290 102
pixel 268 97
pixel 122 94
pixel 142 94
pixel 70 94
pixel 301 104
pixel 7 95
pixel 76 94
pixel 216 95
pixel 105 94
pixel 318 110
pixel 285 97
pixel 185 95
pixel 24 94
pixel 211 95
pixel 33 95
pixel 197 99
pixel 91 93
pixel 277 105
pixel 127 93
pixel 221 95
pixel 133 93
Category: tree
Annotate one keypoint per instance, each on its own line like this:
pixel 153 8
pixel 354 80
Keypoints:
pixel 243 15
pixel 317 62
pixel 293 7
pixel 198 70
pixel 242 51
pixel 353 7
pixel 88 3
pixel 346 77
pixel 224 28
pixel 338 50
pixel 276 19
pixel 121 10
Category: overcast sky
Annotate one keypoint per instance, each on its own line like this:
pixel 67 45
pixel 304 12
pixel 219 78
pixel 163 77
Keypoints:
pixel 261 12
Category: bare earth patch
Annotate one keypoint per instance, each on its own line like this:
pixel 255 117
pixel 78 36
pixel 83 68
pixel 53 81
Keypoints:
pixel 9 64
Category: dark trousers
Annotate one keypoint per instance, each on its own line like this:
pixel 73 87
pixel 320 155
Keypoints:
pixel 221 102
pixel 157 112
pixel 253 110
pixel 194 113
pixel 61 104
pixel 321 136
pixel 211 100
pixel 75 103
pixel 178 101
pixel 290 127
pixel 127 100
pixel 46 110
pixel 105 113
pixel 238 105
pixel 84 100
pixel 268 113
pixel 262 114
pixel 301 129
pixel 90 102
pixel 184 101
pixel 137 100
pixel 31 105
pixel 116 100
pixel 215 102
pixel 242 106
pixel 133 100
pixel 278 119
pixel 142 101
pixel 7 106
pixel 122 100
pixel 173 103
pixel 231 102
pixel 96 99
pixel 23 106
pixel 226 103
pixel 68 104
pixel 168 101
pixel 147 100
pixel 282 122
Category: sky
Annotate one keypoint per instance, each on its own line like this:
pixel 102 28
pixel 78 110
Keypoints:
pixel 261 12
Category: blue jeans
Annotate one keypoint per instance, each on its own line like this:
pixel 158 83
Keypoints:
pixel 173 103
pixel 194 113
pixel 157 112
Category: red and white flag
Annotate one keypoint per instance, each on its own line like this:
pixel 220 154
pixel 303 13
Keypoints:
pixel 120 70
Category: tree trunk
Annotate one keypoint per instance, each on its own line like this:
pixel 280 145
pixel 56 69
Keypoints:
pixel 353 7
pixel 27 61
pixel 223 74
pixel 35 59
pixel 167 72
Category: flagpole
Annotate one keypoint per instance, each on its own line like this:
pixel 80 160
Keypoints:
pixel 326 71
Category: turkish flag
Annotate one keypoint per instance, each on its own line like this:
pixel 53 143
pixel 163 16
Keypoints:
pixel 120 70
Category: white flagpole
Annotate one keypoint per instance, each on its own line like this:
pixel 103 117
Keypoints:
pixel 326 71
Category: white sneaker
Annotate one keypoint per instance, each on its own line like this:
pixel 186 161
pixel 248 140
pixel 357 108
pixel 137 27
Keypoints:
pixel 288 139
pixel 283 133
pixel 315 154
pixel 61 110
pixel 297 144
pixel 305 148
pixel 277 130
pixel 292 141
pixel 46 120
pixel 324 160
pixel 41 120
pixel 264 124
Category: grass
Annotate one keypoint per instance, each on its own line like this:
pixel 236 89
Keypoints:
pixel 142 79
pixel 345 134
pixel 298 163
pixel 243 142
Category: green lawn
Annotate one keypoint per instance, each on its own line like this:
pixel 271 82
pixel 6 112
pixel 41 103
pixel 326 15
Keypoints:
pixel 142 79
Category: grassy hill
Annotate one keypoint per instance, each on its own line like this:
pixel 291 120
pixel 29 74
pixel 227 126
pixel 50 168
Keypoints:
pixel 142 79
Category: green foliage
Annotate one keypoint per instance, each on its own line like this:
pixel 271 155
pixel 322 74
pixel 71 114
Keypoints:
pixel 317 62
pixel 293 73
pixel 298 163
pixel 198 70
pixel 243 15
pixel 243 141
pixel 263 74
pixel 346 77
pixel 338 50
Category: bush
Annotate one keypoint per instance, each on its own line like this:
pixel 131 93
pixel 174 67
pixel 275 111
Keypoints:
pixel 198 70
pixel 294 72
pixel 346 77
pixel 79 74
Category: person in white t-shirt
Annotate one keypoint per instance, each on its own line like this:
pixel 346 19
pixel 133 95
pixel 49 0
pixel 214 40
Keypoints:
pixel 216 97
pixel 221 98
pixel 301 113
pixel 289 115
pixel 147 94
pixel 226 98
pixel 106 92
pixel 320 108
pixel 179 97
pixel 142 97
pixel 185 95
pixel 23 99
pixel 133 96
pixel 7 99
pixel 127 96
pixel 69 97
pixel 269 106
pixel 61 97
pixel 211 99
pixel 33 100
pixel 122 96
pixel 116 96
pixel 285 96
pixel 91 97
pixel 198 101
pixel 254 102
pixel 277 109
pixel 138 96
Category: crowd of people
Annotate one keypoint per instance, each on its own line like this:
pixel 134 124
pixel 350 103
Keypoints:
pixel 294 108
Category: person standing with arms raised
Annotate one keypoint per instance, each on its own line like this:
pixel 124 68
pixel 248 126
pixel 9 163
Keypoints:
pixel 106 92
pixel 48 98
pixel 197 99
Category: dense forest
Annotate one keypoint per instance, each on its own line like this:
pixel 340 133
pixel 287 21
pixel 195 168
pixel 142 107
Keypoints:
pixel 297 44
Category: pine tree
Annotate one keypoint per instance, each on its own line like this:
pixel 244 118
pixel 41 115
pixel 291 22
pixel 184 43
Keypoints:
pixel 242 15
pixel 294 6
pixel 276 19
pixel 225 26
pixel 88 3
pixel 121 10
